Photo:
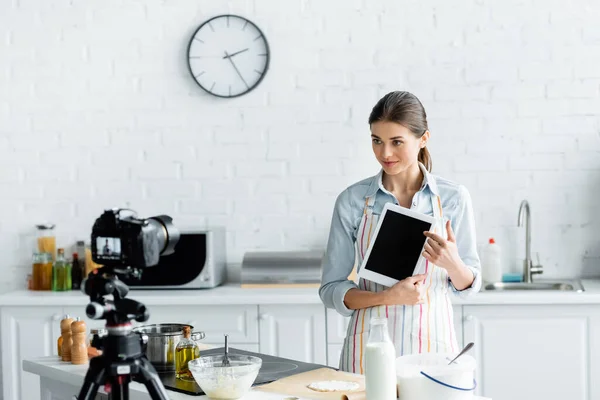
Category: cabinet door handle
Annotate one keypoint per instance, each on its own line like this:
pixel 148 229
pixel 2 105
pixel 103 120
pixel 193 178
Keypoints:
pixel 469 318
pixel 263 316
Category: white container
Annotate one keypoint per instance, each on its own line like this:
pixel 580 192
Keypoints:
pixel 428 376
pixel 491 262
pixel 380 363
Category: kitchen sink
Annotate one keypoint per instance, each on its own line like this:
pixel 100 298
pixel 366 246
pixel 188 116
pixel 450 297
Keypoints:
pixel 561 286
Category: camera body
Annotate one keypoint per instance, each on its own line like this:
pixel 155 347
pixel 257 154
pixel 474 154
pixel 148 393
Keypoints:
pixel 121 240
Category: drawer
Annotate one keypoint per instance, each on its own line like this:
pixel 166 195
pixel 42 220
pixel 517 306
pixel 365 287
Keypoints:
pixel 240 322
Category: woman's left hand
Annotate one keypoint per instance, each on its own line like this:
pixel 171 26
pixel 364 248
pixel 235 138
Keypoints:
pixel 442 252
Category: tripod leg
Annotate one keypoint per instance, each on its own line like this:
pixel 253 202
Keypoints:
pixel 149 377
pixel 94 377
pixel 119 388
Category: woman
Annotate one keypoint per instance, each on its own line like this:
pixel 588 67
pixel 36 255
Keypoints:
pixel 418 309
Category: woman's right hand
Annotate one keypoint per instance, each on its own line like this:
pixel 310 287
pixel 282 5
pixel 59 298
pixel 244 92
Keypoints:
pixel 408 291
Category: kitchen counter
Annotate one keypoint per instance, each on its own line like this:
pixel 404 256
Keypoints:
pixel 233 294
pixel 590 295
pixel 293 323
pixel 63 380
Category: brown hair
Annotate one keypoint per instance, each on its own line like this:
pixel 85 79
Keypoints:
pixel 405 109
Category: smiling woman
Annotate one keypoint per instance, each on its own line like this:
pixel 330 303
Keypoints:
pixel 401 125
pixel 418 308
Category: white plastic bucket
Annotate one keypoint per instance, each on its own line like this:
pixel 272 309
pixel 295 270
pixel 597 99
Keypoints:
pixel 428 376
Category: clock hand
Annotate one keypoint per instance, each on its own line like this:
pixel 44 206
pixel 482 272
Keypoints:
pixel 236 53
pixel 236 70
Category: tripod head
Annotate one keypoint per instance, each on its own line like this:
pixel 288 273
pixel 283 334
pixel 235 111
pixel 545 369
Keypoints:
pixel 119 311
pixel 123 357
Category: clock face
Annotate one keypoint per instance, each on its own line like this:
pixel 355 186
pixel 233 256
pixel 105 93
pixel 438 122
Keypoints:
pixel 228 56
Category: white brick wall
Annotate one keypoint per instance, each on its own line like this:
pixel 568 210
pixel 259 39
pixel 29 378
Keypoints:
pixel 97 109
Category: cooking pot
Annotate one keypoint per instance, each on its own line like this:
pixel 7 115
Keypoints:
pixel 162 341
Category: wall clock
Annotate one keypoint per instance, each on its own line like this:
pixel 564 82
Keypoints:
pixel 228 56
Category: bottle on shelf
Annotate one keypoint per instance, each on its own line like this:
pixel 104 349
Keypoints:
pixel 90 265
pixel 61 273
pixel 76 272
pixel 491 262
pixel 185 351
pixel 80 250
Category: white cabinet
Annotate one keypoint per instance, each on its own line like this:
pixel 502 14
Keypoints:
pixel 336 326
pixel 533 352
pixel 27 332
pixel 524 352
pixel 336 333
pixel 458 325
pixel 240 322
pixel 294 331
pixel 594 352
pixel 334 353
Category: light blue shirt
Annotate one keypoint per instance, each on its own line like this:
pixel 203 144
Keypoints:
pixel 339 258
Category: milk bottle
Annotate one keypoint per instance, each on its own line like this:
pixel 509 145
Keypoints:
pixel 380 363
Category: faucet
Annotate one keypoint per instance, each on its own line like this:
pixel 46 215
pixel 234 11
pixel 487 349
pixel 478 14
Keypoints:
pixel 528 269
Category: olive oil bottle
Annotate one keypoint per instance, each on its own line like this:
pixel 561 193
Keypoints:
pixel 61 273
pixel 185 351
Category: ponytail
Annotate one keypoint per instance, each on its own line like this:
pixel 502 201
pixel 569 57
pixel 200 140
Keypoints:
pixel 425 158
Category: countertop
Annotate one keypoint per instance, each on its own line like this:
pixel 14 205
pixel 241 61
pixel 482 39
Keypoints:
pixel 233 294
pixel 66 373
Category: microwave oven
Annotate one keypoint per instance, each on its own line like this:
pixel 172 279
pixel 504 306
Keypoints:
pixel 198 262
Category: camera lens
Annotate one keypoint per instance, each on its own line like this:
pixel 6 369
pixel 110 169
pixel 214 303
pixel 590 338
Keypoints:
pixel 167 234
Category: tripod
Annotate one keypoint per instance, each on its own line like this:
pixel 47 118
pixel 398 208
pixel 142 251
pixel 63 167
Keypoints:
pixel 123 359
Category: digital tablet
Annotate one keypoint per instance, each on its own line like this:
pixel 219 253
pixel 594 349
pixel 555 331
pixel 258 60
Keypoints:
pixel 397 245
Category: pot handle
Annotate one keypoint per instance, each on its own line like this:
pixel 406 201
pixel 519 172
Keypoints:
pixel 197 335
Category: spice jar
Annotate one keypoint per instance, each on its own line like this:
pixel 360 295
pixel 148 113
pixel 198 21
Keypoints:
pixel 46 239
pixel 42 272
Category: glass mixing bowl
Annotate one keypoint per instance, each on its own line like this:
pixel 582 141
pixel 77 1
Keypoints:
pixel 225 383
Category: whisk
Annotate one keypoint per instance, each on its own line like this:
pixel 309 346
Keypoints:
pixel 225 362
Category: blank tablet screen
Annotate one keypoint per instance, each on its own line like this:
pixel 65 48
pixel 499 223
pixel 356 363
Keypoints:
pixel 398 246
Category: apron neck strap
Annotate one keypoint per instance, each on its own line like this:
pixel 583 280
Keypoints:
pixel 369 204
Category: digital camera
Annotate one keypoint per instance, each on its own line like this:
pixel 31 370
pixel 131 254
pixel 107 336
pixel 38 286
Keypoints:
pixel 121 239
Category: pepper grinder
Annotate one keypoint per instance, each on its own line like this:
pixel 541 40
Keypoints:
pixel 59 342
pixel 79 346
pixel 65 334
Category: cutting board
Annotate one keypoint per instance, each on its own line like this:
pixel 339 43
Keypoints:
pixel 297 385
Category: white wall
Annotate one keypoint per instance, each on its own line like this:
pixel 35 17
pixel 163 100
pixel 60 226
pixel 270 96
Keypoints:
pixel 97 109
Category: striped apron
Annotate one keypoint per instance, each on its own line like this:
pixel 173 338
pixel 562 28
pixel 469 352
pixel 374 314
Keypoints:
pixel 423 328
